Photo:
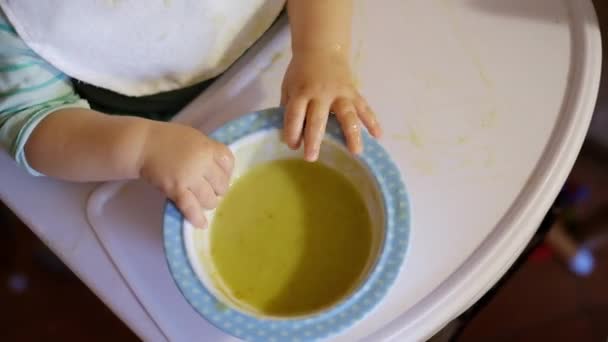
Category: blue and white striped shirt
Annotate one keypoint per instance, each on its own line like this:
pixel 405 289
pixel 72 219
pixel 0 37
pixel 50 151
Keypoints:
pixel 30 89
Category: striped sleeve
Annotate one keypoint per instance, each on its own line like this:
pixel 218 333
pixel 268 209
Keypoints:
pixel 30 89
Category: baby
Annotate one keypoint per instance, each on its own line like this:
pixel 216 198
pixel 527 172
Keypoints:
pixel 49 127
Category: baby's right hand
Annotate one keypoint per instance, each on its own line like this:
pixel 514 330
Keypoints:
pixel 190 168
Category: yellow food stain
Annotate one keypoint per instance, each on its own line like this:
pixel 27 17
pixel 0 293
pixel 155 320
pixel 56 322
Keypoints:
pixel 482 74
pixel 462 140
pixel 489 120
pixel 275 58
pixel 167 3
pixel 466 46
pixel 415 139
pixel 412 137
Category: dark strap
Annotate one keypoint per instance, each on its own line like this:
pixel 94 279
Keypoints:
pixel 161 106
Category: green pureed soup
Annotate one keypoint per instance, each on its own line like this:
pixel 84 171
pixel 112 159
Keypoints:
pixel 290 238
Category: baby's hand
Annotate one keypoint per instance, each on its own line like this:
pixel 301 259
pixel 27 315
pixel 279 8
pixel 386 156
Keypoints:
pixel 191 169
pixel 316 84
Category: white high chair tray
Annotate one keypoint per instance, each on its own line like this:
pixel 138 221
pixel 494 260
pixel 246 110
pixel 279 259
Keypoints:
pixel 484 103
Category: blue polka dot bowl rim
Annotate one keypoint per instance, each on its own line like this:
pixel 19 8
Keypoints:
pixel 254 139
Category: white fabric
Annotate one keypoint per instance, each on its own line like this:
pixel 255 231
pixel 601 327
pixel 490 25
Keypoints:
pixel 141 47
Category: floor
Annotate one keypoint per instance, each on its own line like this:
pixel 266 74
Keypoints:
pixel 42 300
pixel 542 301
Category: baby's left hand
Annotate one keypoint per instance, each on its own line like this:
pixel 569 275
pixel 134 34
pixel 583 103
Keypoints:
pixel 316 84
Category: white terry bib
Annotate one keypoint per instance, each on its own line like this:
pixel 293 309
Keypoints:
pixel 141 47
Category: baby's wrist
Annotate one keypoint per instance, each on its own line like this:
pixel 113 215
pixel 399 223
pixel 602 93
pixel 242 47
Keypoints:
pixel 147 130
pixel 158 140
pixel 331 51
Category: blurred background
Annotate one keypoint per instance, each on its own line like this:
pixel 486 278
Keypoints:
pixel 555 293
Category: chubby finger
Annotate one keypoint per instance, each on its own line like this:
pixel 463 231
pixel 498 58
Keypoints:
pixel 346 113
pixel 224 159
pixel 293 121
pixel 218 180
pixel 205 195
pixel 190 208
pixel 316 122
pixel 368 118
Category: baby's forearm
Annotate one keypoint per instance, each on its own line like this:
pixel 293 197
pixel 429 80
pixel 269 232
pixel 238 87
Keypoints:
pixel 85 145
pixel 320 26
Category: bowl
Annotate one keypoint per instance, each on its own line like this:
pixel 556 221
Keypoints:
pixel 255 139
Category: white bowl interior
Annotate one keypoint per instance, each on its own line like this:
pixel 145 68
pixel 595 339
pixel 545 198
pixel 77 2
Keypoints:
pixel 264 147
